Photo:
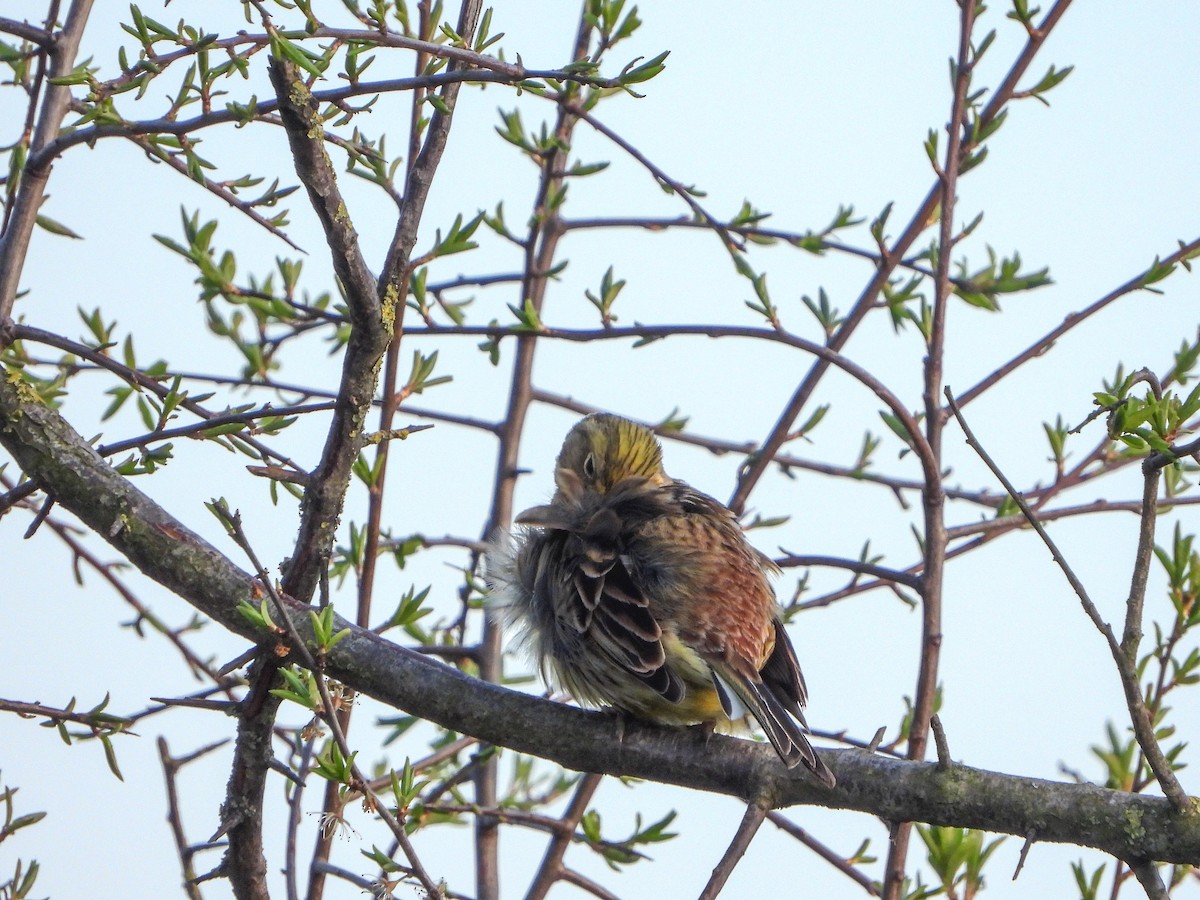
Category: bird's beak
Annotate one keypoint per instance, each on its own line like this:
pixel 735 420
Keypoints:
pixel 548 516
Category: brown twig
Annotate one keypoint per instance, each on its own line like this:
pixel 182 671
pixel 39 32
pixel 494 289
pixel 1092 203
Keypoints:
pixel 97 722
pixel 939 740
pixel 551 868
pixel 138 379
pixel 773 234
pixel 14 242
pixel 581 881
pixel 728 239
pixel 826 853
pixel 216 189
pixel 933 498
pixel 1011 523
pixel 295 802
pixel 821 351
pixel 899 249
pixel 791 560
pixel 752 819
pixel 1025 848
pixel 183 848
pixel 217 420
pixel 303 391
pixel 1048 340
pixel 80 551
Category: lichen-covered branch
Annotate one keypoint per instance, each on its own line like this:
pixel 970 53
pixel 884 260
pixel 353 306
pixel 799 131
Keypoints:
pixel 1129 826
pixel 371 321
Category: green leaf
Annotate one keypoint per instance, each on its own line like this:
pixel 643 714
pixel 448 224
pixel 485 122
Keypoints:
pixel 55 227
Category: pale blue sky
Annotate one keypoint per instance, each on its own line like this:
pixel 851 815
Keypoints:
pixel 799 108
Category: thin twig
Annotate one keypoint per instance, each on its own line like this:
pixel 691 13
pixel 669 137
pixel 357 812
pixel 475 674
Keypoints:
pixel 171 767
pixel 933 549
pixel 14 242
pixel 939 740
pixel 328 707
pixel 1050 338
pixel 751 820
pixel 216 189
pixel 81 553
pixel 295 811
pixel 551 868
pixel 866 300
pixel 792 560
pixel 825 852
pixel 138 379
pixel 1143 726
pixel 731 243
pixel 1025 848
pixel 1011 523
pixel 911 264
pixel 581 881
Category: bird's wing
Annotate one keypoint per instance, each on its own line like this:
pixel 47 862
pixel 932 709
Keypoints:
pixel 622 627
pixel 782 676
pixel 577 559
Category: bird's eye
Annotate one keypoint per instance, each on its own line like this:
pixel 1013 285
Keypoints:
pixel 589 466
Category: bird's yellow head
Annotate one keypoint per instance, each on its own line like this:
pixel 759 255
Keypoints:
pixel 602 451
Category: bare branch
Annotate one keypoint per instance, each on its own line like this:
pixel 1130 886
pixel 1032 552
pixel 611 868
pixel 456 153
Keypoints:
pixel 1044 343
pixel 171 766
pixel 826 853
pixel 933 499
pixel 752 819
pixel 551 868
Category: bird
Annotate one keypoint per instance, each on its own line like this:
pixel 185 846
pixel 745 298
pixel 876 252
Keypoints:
pixel 635 591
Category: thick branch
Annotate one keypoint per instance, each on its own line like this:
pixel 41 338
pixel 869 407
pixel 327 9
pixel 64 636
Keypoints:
pixel 1129 826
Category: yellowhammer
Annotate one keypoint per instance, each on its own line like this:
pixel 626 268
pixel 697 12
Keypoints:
pixel 639 592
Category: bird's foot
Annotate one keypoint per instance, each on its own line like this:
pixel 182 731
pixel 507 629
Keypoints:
pixel 705 728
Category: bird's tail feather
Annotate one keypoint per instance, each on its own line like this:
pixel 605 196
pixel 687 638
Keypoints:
pixel 782 730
